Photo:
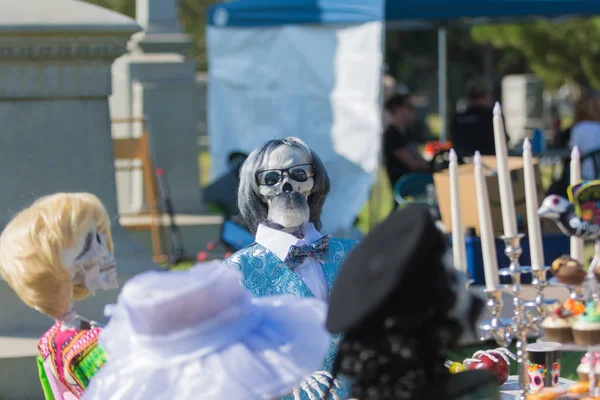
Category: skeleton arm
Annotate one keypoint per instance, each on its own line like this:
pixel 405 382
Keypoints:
pixel 316 386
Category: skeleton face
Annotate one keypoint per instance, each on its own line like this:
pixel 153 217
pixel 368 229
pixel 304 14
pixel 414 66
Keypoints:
pixel 90 262
pixel 286 169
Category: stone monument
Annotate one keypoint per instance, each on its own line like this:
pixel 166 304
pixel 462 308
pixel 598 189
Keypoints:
pixel 156 80
pixel 55 79
pixel 523 105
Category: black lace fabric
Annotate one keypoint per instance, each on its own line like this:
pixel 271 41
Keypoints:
pixel 397 352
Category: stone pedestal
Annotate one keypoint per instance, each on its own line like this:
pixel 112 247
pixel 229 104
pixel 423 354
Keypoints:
pixel 157 81
pixel 55 63
pixel 522 105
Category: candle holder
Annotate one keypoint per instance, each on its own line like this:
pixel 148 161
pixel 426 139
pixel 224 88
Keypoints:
pixel 469 283
pixel 498 328
pixel 526 317
pixel 539 282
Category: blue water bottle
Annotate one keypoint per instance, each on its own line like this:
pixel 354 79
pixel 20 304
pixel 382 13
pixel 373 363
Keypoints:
pixel 538 141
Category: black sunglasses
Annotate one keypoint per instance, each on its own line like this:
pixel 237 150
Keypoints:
pixel 298 173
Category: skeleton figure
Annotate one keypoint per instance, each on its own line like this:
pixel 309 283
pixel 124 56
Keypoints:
pixel 53 253
pixel 283 186
pixel 399 303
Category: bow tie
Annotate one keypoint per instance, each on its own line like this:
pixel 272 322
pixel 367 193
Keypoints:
pixel 319 251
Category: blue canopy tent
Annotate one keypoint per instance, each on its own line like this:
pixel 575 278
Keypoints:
pixel 304 68
pixel 289 68
pixel 244 13
pixel 443 10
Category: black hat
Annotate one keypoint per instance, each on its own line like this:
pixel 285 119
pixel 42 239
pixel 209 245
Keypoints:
pixel 394 259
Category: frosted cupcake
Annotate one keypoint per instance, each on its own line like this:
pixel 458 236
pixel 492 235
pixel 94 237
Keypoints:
pixel 583 370
pixel 568 271
pixel 586 329
pixel 557 326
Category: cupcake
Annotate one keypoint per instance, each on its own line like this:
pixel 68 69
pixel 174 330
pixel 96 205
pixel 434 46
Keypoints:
pixel 557 326
pixel 586 329
pixel 568 271
pixel 583 369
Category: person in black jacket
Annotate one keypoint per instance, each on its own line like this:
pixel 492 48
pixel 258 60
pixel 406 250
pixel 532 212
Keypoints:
pixel 400 153
pixel 473 129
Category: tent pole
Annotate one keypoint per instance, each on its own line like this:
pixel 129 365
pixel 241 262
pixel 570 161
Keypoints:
pixel 443 83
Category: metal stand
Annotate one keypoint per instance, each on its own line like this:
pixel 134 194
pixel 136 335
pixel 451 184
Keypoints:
pixel 527 315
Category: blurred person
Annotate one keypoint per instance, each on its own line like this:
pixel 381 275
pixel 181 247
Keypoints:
pixel 585 133
pixel 389 90
pixel 473 129
pixel 400 153
pixel 419 130
pixel 555 127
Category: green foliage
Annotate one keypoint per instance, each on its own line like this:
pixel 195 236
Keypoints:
pixel 193 20
pixel 555 52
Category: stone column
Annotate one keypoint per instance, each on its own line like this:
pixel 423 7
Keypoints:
pixel 156 80
pixel 162 32
pixel 55 79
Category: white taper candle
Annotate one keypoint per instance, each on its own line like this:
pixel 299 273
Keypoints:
pixel 486 231
pixel 533 220
pixel 575 170
pixel 507 201
pixel 458 235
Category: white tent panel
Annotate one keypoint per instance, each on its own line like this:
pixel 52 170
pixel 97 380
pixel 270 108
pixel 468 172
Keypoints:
pixel 318 83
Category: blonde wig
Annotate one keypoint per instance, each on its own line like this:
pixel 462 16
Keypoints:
pixel 31 246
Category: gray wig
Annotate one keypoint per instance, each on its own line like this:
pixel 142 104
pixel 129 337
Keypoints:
pixel 253 208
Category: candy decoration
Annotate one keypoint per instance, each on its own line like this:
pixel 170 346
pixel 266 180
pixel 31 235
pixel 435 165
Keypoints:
pixel 455 367
pixel 495 361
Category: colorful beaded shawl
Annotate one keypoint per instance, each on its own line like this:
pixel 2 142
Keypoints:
pixel 72 357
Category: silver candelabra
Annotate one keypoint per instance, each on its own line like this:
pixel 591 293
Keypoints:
pixel 527 316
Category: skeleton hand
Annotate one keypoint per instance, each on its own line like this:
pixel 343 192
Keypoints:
pixel 317 383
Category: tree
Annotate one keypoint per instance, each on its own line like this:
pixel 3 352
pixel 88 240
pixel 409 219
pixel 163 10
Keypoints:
pixel 193 19
pixel 556 53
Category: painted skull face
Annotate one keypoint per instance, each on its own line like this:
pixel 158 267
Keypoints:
pixel 90 262
pixel 287 169
pixel 555 373
pixel 537 374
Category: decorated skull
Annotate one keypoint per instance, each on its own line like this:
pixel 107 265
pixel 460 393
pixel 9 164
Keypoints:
pixel 286 169
pixel 537 374
pixel 283 184
pixel 91 262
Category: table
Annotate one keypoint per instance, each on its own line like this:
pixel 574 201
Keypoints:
pixel 510 390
